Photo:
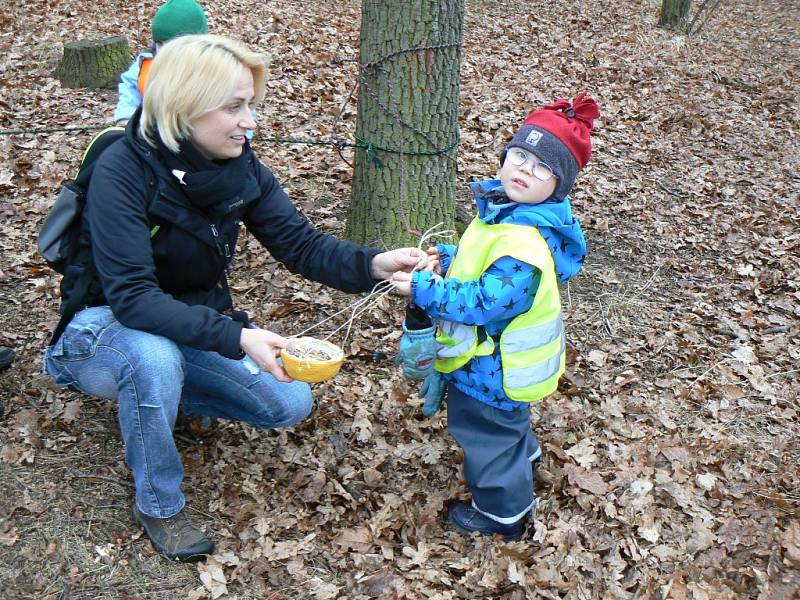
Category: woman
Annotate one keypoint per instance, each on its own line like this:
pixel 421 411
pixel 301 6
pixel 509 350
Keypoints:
pixel 158 331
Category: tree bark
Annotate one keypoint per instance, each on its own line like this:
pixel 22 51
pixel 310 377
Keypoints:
pixel 675 13
pixel 93 63
pixel 408 112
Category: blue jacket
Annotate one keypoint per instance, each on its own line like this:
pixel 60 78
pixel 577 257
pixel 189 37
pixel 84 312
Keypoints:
pixel 128 89
pixel 174 284
pixel 504 290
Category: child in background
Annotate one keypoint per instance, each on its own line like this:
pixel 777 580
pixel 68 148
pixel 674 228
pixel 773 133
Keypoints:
pixel 500 342
pixel 173 19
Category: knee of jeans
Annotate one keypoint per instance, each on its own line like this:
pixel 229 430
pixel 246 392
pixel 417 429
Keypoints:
pixel 293 406
pixel 158 359
pixel 302 405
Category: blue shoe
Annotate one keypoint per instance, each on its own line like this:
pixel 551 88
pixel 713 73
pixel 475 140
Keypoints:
pixel 464 517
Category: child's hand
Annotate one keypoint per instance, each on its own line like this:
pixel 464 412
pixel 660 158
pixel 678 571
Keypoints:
pixel 429 262
pixel 402 283
pixel 433 261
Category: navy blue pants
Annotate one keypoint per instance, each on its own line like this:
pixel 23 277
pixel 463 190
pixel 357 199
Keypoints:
pixel 499 447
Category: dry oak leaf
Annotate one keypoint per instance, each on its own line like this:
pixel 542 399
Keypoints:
pixel 597 358
pixel 324 590
pixel 582 453
pixel 587 480
pixel 72 411
pixel 213 578
pixel 791 543
pixel 10 537
pixel 358 539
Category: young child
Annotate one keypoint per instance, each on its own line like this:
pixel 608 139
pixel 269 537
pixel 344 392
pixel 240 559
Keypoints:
pixel 174 18
pixel 500 342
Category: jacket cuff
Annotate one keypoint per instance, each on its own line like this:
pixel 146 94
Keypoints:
pixel 415 279
pixel 229 346
pixel 445 255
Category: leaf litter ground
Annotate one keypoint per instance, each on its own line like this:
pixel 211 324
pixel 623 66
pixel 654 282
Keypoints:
pixel 671 448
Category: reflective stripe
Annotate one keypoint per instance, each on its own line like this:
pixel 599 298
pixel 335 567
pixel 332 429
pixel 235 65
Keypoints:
pixel 527 344
pixel 463 334
pixel 523 377
pixel 507 520
pixel 519 340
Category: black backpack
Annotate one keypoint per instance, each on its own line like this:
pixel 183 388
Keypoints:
pixel 58 237
pixel 61 230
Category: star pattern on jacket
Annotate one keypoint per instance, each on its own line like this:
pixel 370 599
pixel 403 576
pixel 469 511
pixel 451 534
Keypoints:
pixel 491 301
pixel 506 289
pixel 504 281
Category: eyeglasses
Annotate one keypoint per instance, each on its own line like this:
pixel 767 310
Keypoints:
pixel 540 170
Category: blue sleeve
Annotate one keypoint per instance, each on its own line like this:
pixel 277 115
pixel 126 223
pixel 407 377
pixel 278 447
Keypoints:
pixel 446 252
pixel 504 290
pixel 128 88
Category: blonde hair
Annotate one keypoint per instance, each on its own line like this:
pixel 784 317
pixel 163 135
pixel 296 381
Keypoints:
pixel 191 75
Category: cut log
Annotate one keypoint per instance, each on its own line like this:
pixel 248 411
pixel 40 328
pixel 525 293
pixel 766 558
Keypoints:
pixel 93 63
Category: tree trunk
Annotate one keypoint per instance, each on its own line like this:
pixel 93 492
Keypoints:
pixel 404 182
pixel 93 63
pixel 675 13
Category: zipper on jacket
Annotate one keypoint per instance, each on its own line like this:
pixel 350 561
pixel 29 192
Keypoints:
pixel 223 249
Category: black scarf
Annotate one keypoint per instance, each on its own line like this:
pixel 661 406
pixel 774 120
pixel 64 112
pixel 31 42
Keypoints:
pixel 212 184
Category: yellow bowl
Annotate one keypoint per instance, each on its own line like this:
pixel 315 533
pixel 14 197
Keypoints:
pixel 311 360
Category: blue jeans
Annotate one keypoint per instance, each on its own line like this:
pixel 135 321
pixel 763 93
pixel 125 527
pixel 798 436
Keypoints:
pixel 150 376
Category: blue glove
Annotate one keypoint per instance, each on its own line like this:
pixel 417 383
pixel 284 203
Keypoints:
pixel 417 352
pixel 433 389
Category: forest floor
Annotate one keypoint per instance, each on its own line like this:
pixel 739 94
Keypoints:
pixel 671 448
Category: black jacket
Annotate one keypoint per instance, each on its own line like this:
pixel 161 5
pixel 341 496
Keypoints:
pixel 174 283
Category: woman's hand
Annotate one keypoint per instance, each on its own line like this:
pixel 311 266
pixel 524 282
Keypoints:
pixel 402 259
pixel 402 283
pixel 264 348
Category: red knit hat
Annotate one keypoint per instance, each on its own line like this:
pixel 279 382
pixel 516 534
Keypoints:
pixel 560 135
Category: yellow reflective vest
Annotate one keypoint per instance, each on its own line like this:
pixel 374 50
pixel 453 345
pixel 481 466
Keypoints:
pixel 532 345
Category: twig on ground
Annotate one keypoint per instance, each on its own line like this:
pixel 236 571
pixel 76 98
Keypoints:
pixel 79 475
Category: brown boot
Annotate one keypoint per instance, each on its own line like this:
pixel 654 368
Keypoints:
pixel 175 537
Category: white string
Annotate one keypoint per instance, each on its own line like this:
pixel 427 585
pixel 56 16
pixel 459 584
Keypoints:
pixel 356 304
pixel 433 233
pixel 372 304
pixel 380 290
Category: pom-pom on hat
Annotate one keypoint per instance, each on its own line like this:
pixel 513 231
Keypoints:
pixel 559 134
pixel 178 17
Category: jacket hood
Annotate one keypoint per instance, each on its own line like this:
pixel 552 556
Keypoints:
pixel 553 218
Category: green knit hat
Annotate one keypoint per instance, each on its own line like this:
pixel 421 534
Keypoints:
pixel 178 17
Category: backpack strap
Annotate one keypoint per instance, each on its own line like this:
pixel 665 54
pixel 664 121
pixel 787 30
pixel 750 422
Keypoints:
pixel 101 140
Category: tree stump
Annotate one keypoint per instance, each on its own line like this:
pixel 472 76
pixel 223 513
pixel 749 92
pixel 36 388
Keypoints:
pixel 93 63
